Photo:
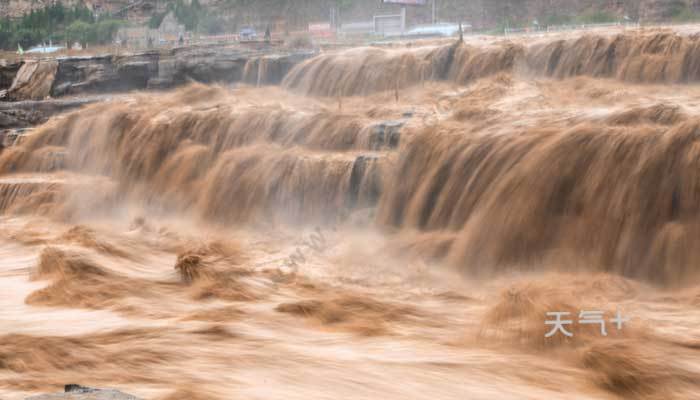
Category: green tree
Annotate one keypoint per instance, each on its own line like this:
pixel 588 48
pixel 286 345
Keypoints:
pixel 105 31
pixel 25 37
pixel 78 31
pixel 156 19
pixel 212 24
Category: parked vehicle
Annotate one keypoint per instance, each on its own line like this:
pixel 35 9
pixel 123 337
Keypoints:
pixel 247 34
pixel 443 29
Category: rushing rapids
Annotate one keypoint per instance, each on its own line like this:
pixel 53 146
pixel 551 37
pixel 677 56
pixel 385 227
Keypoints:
pixel 663 57
pixel 415 224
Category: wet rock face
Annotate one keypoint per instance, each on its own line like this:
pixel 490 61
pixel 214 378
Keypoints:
pixel 386 135
pixel 152 69
pixel 205 65
pixel 13 119
pixel 270 69
pixel 8 71
pixel 33 80
pixel 24 114
pixel 365 182
pixel 104 73
pixel 77 392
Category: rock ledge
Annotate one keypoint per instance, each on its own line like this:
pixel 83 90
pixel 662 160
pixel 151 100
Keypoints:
pixel 77 392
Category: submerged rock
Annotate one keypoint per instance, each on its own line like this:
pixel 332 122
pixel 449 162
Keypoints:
pixel 386 135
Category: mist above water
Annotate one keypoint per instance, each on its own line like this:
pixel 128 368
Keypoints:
pixel 463 191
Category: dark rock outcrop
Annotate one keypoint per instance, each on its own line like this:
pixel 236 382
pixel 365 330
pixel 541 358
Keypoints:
pixel 365 182
pixel 386 135
pixel 27 101
pixel 23 114
pixel 77 392
pixel 152 69
pixel 33 80
pixel 8 71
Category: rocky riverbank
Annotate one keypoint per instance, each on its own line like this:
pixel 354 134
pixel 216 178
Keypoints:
pixel 31 89
pixel 61 76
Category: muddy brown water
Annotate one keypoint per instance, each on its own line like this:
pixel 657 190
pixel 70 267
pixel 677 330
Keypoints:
pixel 431 224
